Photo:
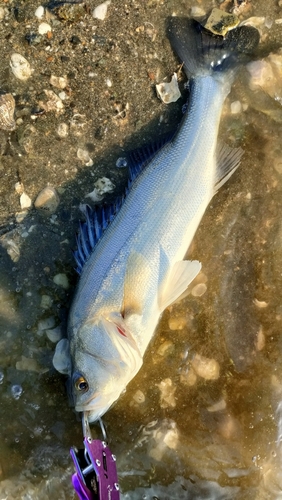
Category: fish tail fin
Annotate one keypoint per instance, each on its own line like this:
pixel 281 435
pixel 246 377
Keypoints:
pixel 204 53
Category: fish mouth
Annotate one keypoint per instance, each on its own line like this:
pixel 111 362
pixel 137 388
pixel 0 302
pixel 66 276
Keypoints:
pixel 95 404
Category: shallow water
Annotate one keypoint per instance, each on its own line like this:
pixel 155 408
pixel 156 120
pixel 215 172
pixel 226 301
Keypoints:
pixel 203 417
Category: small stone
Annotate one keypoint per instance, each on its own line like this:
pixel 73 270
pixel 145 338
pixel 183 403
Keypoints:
pixel 205 367
pixel 167 389
pixel 47 199
pixel 197 11
pixel 44 28
pixel 59 82
pixel 20 67
pixel 54 103
pixel 45 324
pixel 19 187
pixel 100 11
pixel 2 13
pixel 166 348
pixel 28 364
pixel 188 377
pixel 101 187
pixel 61 279
pixel 16 391
pixel 55 334
pixel 236 107
pixel 139 397
pixel 177 323
pixel 220 22
pixel 25 201
pixel 83 155
pixel 63 130
pixel 199 290
pixel 46 302
pixel 169 92
pixel 219 406
pixel 39 13
pixel 260 340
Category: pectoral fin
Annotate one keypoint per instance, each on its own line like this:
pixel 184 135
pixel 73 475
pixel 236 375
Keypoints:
pixel 136 278
pixel 61 359
pixel 181 275
pixel 228 160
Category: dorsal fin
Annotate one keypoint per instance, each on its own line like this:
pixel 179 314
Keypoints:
pixel 98 218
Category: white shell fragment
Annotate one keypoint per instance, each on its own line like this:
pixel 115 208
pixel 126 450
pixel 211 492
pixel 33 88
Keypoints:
pixel 63 130
pixel 83 155
pixel 59 82
pixel 169 92
pixel 7 109
pixel 54 103
pixel 55 334
pixel 61 279
pixel 220 22
pixel 39 13
pixel 43 28
pixel 101 187
pixel 266 75
pixel 205 367
pixel 20 67
pixel 25 201
pixel 47 199
pixel 167 389
pixel 100 11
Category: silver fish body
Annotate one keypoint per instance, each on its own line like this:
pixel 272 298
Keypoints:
pixel 136 269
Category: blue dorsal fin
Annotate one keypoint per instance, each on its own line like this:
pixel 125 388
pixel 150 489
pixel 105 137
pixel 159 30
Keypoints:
pixel 98 218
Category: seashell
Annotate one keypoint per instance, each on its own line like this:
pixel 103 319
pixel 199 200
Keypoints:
pixel 20 67
pixel 7 108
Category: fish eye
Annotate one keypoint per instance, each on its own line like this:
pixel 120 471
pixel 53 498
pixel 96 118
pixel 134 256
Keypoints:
pixel 81 384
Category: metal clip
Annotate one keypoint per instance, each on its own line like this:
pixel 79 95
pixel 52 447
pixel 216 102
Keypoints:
pixel 96 473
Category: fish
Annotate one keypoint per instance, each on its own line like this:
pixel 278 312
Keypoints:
pixel 130 256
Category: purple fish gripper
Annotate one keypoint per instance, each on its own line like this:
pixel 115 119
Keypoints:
pixel 96 473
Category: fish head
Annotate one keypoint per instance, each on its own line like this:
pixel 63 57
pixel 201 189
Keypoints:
pixel 102 360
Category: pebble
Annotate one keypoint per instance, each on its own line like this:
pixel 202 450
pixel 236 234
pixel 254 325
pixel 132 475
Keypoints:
pixel 199 290
pixel 46 302
pixel 177 323
pixel 100 11
pixel 25 201
pixel 188 377
pixel 39 13
pixel 16 391
pixel 63 130
pixel 45 324
pixel 54 103
pixel 28 364
pixel 2 13
pixel 167 398
pixel 166 348
pixel 101 187
pixel 197 12
pixel 47 199
pixel 205 367
pixel 169 91
pixel 44 28
pixel 59 82
pixel 83 155
pixel 139 397
pixel 236 107
pixel 61 279
pixel 219 406
pixel 20 67
pixel 55 334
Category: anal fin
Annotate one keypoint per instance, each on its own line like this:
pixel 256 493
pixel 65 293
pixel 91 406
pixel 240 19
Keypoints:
pixel 180 276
